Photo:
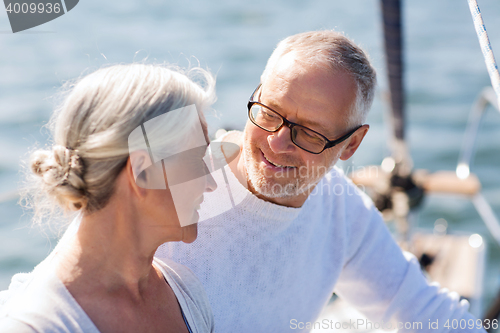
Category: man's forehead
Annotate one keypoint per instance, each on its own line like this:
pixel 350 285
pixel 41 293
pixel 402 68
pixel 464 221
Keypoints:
pixel 311 96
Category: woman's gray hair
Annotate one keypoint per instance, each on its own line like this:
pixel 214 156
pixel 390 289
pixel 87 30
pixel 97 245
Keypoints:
pixel 92 126
pixel 337 52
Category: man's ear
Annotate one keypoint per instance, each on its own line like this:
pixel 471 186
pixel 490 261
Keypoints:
pixel 354 142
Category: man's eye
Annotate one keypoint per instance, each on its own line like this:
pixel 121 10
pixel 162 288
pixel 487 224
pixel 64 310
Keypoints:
pixel 309 136
pixel 268 115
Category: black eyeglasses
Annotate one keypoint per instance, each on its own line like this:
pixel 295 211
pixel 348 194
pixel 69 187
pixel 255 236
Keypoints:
pixel 305 138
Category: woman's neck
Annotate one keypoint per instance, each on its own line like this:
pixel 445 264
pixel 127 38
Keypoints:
pixel 111 250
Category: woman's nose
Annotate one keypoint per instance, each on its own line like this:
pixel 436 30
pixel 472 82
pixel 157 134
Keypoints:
pixel 211 184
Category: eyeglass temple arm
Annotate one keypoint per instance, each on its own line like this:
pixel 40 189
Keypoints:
pixel 250 100
pixel 339 140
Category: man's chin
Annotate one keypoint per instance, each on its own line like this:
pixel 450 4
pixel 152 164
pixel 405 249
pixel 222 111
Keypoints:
pixel 277 190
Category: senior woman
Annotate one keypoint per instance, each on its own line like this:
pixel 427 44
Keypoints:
pixel 125 137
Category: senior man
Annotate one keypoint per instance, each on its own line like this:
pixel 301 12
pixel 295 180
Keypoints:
pixel 300 229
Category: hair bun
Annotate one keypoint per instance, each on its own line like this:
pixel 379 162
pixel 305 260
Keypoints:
pixel 62 172
pixel 69 160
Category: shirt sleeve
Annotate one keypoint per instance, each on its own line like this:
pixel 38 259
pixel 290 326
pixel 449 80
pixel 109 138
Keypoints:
pixel 387 285
pixel 16 284
pixel 19 281
pixel 9 325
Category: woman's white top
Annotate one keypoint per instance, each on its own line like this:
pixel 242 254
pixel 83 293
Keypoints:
pixel 45 305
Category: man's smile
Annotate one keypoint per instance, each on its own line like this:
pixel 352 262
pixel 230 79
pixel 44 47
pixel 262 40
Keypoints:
pixel 275 164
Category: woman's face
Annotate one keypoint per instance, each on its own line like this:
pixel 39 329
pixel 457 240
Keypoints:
pixel 178 184
pixel 188 178
pixel 179 170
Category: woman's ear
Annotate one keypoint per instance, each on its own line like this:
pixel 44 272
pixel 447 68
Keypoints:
pixel 137 164
pixel 139 161
pixel 145 174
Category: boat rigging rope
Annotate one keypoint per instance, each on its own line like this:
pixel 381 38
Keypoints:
pixel 484 42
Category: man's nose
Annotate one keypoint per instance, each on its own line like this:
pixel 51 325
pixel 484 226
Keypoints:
pixel 280 141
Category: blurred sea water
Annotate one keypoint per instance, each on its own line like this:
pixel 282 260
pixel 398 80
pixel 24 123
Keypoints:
pixel 445 71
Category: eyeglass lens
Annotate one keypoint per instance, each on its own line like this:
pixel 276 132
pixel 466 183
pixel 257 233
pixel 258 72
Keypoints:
pixel 270 121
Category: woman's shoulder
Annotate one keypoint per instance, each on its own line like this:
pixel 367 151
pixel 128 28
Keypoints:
pixel 45 305
pixel 189 292
pixel 10 325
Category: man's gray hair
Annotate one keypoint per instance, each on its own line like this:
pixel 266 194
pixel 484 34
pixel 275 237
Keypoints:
pixel 333 49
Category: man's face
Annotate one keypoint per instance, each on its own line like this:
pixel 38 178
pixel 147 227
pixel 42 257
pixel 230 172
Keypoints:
pixel 277 170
